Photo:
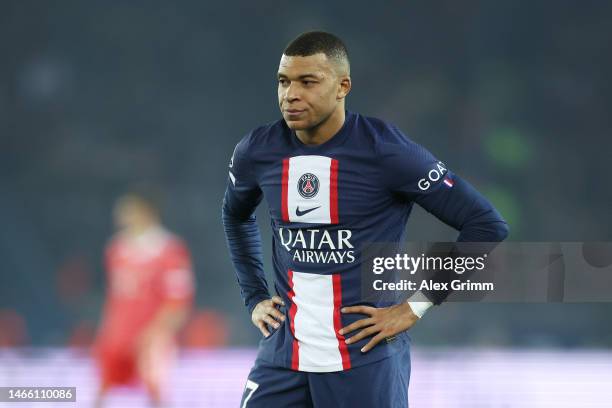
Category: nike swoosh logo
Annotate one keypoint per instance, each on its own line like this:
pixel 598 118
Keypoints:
pixel 300 213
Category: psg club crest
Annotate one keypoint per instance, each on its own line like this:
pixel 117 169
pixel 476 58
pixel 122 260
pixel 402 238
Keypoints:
pixel 308 185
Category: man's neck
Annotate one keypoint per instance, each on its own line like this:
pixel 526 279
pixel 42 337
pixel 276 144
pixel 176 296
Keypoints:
pixel 324 131
pixel 138 231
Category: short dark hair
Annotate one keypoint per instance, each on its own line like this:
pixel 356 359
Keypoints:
pixel 314 42
pixel 147 193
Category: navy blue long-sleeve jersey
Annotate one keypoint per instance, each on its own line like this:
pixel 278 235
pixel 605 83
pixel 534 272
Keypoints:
pixel 325 203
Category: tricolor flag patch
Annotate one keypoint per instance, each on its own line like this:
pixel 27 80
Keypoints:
pixel 448 181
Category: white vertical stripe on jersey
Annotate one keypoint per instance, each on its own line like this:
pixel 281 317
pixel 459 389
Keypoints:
pixel 320 166
pixel 314 323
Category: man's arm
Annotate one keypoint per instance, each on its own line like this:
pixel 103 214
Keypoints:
pixel 419 177
pixel 244 243
pixel 242 196
pixel 168 320
pixel 462 207
pixel 459 206
pixel 176 285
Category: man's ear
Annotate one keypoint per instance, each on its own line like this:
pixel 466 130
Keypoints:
pixel 344 87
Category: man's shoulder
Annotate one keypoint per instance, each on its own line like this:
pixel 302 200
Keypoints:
pixel 114 244
pixel 264 134
pixel 383 134
pixel 256 140
pixel 175 244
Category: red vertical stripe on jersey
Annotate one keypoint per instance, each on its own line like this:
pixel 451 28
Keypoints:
pixel 346 360
pixel 295 355
pixel 285 191
pixel 333 192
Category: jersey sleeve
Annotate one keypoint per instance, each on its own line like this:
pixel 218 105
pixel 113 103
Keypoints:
pixel 242 196
pixel 415 175
pixel 177 283
pixel 411 171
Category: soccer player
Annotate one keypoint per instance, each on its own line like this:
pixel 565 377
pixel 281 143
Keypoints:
pixel 333 181
pixel 150 290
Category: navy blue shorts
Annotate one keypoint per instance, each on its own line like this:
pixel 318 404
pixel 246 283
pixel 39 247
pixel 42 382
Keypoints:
pixel 382 384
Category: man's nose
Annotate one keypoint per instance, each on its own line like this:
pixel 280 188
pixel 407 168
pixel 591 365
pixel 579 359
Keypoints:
pixel 292 93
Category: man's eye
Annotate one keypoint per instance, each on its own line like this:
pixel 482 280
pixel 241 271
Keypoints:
pixel 308 83
pixel 283 82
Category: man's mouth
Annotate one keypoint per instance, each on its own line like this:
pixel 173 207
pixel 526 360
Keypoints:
pixel 294 112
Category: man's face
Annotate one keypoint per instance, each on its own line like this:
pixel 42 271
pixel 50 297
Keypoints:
pixel 130 212
pixel 309 90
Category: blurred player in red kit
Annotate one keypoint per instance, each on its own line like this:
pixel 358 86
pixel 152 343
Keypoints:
pixel 150 291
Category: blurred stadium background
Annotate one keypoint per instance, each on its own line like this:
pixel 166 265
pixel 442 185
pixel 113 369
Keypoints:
pixel 95 96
